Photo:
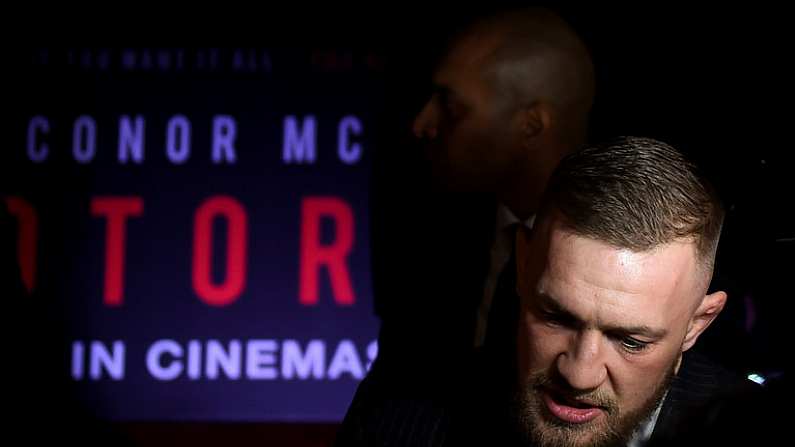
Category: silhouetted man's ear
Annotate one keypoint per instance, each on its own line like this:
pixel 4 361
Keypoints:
pixel 533 120
pixel 709 308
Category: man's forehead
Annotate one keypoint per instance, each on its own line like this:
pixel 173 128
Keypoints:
pixel 666 269
pixel 615 288
pixel 470 52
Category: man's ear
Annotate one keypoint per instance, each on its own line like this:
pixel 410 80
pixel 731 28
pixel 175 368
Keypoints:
pixel 709 308
pixel 532 120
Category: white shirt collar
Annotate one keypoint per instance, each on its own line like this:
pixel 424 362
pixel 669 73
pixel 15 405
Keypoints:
pixel 506 218
pixel 644 432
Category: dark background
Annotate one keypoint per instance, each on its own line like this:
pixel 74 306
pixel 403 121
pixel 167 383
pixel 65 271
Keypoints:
pixel 710 81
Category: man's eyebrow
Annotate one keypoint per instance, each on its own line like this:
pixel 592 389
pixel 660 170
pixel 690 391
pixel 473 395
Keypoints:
pixel 549 304
pixel 642 330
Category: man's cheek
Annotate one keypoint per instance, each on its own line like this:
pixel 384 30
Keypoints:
pixel 535 348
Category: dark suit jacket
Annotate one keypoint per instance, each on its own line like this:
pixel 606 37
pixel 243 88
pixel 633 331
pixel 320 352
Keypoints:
pixel 430 255
pixel 706 405
pixel 429 274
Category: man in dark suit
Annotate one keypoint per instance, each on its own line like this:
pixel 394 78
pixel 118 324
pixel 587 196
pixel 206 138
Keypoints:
pixel 613 286
pixel 511 97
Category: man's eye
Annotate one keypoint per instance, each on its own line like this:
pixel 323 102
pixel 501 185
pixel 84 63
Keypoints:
pixel 633 345
pixel 552 318
pixel 452 108
pixel 442 98
pixel 449 104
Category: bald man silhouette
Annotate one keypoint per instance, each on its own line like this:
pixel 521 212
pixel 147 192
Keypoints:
pixel 511 97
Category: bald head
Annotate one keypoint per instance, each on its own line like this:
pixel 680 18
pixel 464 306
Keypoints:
pixel 534 57
pixel 511 98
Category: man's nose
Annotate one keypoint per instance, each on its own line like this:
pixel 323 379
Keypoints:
pixel 582 364
pixel 425 123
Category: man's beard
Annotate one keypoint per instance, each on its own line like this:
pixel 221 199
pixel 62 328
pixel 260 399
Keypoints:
pixel 540 428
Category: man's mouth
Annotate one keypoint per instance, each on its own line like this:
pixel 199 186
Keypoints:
pixel 570 410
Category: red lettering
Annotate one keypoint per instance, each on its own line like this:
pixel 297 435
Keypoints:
pixel 332 256
pixel 28 225
pixel 117 210
pixel 237 242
